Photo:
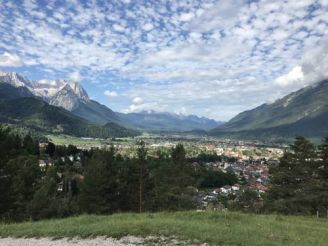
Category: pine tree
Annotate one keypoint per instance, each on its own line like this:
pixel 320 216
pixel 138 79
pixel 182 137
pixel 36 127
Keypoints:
pixel 293 182
pixel 323 176
pixel 143 173
pixel 99 190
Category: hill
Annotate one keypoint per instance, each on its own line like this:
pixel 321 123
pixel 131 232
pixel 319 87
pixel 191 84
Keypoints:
pixel 304 112
pixel 214 228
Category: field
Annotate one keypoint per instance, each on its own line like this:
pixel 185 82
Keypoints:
pixel 214 228
pixel 66 140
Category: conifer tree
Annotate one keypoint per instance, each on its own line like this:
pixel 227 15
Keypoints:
pixel 293 181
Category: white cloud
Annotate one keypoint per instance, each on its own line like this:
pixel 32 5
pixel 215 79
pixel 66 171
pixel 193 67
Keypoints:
pixel 225 56
pixel 10 60
pixel 118 28
pixel 315 62
pixel 186 16
pixel 147 27
pixel 294 78
pixel 110 94
pixel 137 100
pixel 75 76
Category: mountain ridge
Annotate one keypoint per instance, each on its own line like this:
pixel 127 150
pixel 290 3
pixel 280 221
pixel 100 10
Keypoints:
pixel 288 115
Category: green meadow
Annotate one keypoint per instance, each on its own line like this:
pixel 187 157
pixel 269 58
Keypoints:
pixel 214 228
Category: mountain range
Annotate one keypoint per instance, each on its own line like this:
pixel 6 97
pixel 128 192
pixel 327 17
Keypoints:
pixel 72 97
pixel 304 112
pixel 167 122
pixel 34 103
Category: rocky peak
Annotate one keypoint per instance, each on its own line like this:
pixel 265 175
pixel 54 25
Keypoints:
pixel 66 98
pixel 78 90
pixel 15 79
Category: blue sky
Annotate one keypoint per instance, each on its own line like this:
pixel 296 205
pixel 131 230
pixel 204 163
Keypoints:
pixel 211 58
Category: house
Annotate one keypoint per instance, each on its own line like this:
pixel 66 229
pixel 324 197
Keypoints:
pixel 60 186
pixel 44 164
pixel 226 189
pixel 235 187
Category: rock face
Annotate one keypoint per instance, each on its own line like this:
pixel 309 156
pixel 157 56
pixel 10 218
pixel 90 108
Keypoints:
pixel 15 79
pixel 65 98
pixel 70 96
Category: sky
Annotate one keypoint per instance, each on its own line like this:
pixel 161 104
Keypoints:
pixel 213 58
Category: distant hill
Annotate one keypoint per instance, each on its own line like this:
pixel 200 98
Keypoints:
pixel 167 122
pixel 19 108
pixel 304 112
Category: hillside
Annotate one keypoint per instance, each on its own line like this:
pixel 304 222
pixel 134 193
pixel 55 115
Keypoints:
pixel 214 228
pixel 96 112
pixel 10 92
pixel 304 112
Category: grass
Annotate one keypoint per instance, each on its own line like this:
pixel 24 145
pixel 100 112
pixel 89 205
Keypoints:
pixel 215 228
pixel 66 139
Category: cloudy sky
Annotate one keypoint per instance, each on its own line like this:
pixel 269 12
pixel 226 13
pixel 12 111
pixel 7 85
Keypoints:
pixel 211 58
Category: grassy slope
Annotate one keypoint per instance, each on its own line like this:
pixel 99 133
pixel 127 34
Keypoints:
pixel 217 228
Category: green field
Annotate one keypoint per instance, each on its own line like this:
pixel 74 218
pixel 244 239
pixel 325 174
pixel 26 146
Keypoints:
pixel 66 140
pixel 215 228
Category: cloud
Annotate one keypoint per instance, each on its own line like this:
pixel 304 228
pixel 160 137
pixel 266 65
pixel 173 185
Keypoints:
pixel 75 76
pixel 225 56
pixel 147 27
pixel 186 16
pixel 10 60
pixel 137 100
pixel 293 78
pixel 118 28
pixel 110 94
pixel 315 62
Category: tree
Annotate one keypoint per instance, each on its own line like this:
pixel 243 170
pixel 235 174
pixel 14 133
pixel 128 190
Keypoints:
pixel 142 173
pixel 323 176
pixel 293 183
pixel 99 189
pixel 24 176
pixel 30 145
pixel 50 149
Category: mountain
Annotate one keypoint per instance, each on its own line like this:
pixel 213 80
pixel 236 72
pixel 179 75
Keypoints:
pixel 67 94
pixel 167 122
pixel 18 107
pixel 96 112
pixel 304 112
pixel 66 98
pixel 10 92
pixel 71 96
pixel 15 79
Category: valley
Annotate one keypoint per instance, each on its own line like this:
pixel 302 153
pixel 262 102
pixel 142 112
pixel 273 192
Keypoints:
pixel 190 122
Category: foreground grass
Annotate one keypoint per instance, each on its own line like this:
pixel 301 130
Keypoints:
pixel 215 228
